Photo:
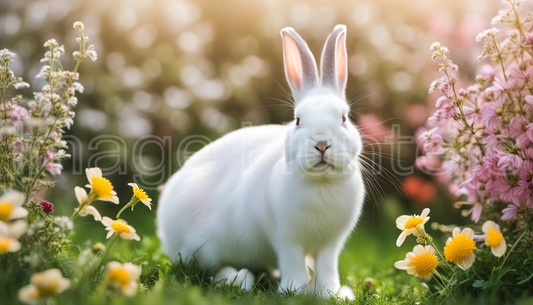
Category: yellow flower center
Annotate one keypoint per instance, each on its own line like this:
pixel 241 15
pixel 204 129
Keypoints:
pixel 139 193
pixel 5 211
pixel 4 245
pixel 425 264
pixel 48 290
pixel 102 187
pixel 120 226
pixel 459 248
pixel 119 275
pixel 494 238
pixel 499 111
pixel 413 222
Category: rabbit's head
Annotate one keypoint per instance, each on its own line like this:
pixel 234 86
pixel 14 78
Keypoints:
pixel 322 141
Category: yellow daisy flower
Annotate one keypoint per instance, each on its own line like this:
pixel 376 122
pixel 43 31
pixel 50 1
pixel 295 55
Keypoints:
pixel 86 209
pixel 422 262
pixel 140 194
pixel 122 277
pixel 43 285
pixel 460 248
pixel 10 206
pixel 494 238
pixel 411 225
pixel 100 185
pixel 120 227
pixel 9 235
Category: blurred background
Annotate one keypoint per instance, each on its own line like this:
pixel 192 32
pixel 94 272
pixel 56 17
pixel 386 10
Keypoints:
pixel 172 75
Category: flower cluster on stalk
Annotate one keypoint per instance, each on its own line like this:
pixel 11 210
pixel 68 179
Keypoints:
pixel 482 135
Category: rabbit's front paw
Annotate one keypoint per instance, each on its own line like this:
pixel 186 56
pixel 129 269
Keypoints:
pixel 244 278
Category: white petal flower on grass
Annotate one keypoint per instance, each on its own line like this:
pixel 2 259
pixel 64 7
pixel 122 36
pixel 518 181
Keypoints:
pixel 10 206
pixel 140 194
pixel 422 262
pixel 86 209
pixel 122 277
pixel 120 227
pixel 460 248
pixel 494 238
pixel 43 285
pixel 9 235
pixel 100 185
pixel 411 225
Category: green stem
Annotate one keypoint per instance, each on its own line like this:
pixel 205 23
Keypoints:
pixel 122 210
pixel 512 248
pixel 442 257
pixel 115 235
pixel 444 283
pixel 132 203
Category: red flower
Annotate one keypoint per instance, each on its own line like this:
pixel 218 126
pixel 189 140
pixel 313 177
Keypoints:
pixel 46 206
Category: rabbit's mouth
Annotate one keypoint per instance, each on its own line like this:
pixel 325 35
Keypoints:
pixel 323 165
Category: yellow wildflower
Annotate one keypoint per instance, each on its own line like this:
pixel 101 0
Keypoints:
pixel 411 225
pixel 120 227
pixel 140 194
pixel 494 238
pixel 422 262
pixel 86 209
pixel 9 233
pixel 10 206
pixel 43 285
pixel 122 277
pixel 460 248
pixel 100 185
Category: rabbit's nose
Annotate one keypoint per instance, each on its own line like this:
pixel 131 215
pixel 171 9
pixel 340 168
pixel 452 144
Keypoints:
pixel 322 146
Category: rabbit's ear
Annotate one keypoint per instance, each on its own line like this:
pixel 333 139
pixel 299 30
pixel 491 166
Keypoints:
pixel 334 62
pixel 300 64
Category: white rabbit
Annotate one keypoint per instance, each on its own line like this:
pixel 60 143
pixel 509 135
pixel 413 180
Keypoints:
pixel 266 197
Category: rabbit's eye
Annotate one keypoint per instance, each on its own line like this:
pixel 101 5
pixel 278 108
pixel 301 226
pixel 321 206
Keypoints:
pixel 344 118
pixel 297 121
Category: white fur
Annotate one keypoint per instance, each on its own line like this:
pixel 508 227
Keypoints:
pixel 254 198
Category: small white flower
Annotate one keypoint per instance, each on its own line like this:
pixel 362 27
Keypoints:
pixel 10 206
pixel 51 42
pixel 122 277
pixel 21 85
pixel 140 194
pixel 87 209
pixel 9 235
pixel 43 285
pixel 411 225
pixel 78 25
pixel 494 238
pixel 120 227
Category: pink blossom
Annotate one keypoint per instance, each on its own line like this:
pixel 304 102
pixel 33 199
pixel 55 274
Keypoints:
pixel 476 212
pixel 54 168
pixel 19 113
pixel 528 38
pixel 429 164
pixel 510 212
pixel 524 191
pixel 502 188
pixel 18 145
pixel 498 85
pixel 529 131
pixel 493 140
pixel 529 99
pixel 518 129
pixel 488 167
pixel 491 112
pixel 487 71
pixel 511 161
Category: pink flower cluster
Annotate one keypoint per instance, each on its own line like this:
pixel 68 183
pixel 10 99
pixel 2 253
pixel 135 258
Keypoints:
pixel 482 136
